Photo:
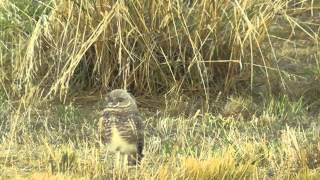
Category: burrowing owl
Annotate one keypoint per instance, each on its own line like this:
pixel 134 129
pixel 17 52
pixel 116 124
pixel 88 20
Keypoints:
pixel 123 129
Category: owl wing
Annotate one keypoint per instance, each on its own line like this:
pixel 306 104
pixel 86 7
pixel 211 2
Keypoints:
pixel 105 129
pixel 131 128
pixel 137 134
pixel 140 133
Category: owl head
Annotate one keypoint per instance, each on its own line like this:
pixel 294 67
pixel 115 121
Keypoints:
pixel 120 99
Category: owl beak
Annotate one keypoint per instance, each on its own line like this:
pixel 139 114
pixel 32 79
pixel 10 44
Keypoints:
pixel 115 104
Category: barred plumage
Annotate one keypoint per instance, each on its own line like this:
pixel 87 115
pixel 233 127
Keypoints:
pixel 123 126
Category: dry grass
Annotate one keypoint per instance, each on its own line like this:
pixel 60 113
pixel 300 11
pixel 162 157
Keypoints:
pixel 151 47
pixel 63 143
pixel 184 55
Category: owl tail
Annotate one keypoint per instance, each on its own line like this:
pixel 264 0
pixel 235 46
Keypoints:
pixel 139 151
pixel 135 159
pixel 139 157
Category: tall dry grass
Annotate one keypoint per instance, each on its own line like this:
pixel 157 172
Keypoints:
pixel 149 47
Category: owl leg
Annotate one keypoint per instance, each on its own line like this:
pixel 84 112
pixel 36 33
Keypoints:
pixel 117 159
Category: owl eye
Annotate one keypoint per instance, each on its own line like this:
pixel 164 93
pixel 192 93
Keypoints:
pixel 120 99
pixel 107 98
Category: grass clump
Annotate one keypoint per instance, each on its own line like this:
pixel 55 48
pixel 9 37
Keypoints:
pixel 152 47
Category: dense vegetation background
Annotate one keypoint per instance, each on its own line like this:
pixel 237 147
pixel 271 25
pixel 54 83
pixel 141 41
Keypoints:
pixel 228 89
